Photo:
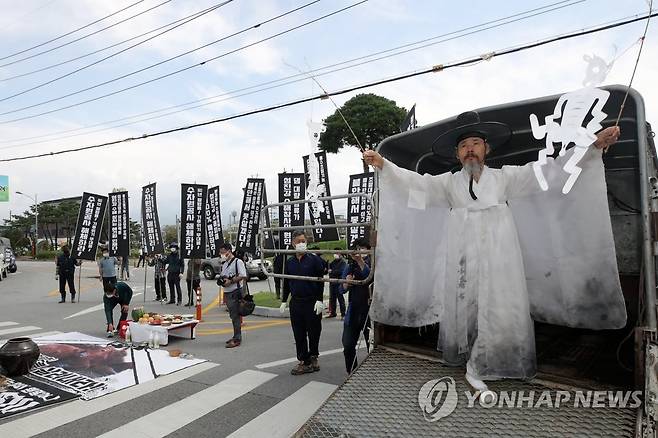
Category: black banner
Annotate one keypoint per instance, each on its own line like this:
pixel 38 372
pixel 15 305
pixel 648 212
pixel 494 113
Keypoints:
pixel 193 221
pixel 359 209
pixel 88 228
pixel 269 237
pixel 150 222
pixel 214 230
pixel 291 188
pixel 119 225
pixel 325 217
pixel 250 215
pixel 24 394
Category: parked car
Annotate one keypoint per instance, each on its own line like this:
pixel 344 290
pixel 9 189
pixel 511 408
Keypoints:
pixel 211 267
pixel 10 260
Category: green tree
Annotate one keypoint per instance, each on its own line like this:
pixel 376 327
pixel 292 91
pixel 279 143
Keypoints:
pixel 169 234
pixel 372 118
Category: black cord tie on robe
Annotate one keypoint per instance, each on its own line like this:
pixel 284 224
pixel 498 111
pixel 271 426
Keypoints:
pixel 470 190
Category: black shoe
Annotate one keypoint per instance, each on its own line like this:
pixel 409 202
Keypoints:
pixel 73 298
pixel 61 301
pixel 171 302
pixel 178 303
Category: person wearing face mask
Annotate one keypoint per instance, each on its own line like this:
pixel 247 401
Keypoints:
pixel 175 270
pixel 193 280
pixel 66 264
pixel 336 268
pixel 107 268
pixel 306 304
pixel 160 277
pixel 234 272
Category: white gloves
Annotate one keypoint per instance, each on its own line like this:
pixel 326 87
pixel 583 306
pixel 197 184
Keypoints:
pixel 319 307
pixel 282 308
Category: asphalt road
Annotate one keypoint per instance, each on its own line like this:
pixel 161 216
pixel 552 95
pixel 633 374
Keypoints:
pixel 244 385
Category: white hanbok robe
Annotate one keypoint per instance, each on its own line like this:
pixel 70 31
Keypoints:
pixel 445 257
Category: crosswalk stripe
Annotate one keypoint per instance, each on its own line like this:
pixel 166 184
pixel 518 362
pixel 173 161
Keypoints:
pixel 42 334
pixel 277 363
pixel 161 423
pixel 7 323
pixel 26 328
pixel 43 421
pixel 286 417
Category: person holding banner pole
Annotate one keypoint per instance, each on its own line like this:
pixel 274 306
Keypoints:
pixel 159 277
pixel 66 264
pixel 193 279
pixel 175 270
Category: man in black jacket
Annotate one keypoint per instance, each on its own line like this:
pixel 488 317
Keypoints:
pixel 336 268
pixel 306 304
pixel 66 264
pixel 175 270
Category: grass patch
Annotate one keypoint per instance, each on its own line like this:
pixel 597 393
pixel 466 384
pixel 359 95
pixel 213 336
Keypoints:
pixel 267 299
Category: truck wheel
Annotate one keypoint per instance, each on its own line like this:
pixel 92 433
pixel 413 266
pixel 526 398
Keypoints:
pixel 209 273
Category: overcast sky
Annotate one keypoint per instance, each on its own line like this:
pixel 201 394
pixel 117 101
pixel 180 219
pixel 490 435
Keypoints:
pixel 266 144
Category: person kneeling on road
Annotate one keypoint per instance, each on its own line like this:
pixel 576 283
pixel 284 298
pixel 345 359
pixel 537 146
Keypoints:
pixel 306 304
pixel 118 293
pixel 233 273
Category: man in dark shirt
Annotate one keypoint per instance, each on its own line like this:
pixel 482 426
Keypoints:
pixel 66 264
pixel 356 320
pixel 117 293
pixel 175 270
pixel 306 304
pixel 336 268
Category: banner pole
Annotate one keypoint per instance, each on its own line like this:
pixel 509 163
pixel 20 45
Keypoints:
pixel 79 281
pixel 145 274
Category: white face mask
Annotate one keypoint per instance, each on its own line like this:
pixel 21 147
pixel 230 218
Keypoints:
pixel 301 246
pixel 336 256
pixel 223 258
pixel 173 250
pixel 106 254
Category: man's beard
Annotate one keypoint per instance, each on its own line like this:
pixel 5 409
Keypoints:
pixel 473 168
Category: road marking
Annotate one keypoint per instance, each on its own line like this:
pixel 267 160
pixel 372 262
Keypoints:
pixel 213 303
pixel 6 323
pixel 27 328
pixel 206 332
pixel 286 417
pixel 161 423
pixel 44 334
pixel 277 363
pixel 57 416
pixel 92 309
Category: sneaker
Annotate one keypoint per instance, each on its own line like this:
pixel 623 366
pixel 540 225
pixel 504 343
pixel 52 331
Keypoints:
pixel 315 364
pixel 233 343
pixel 61 301
pixel 300 368
pixel 110 334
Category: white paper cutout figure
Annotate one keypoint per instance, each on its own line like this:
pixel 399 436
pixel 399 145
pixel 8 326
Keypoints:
pixel 573 108
pixel 314 189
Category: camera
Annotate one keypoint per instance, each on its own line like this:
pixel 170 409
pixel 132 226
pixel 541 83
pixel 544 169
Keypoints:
pixel 223 278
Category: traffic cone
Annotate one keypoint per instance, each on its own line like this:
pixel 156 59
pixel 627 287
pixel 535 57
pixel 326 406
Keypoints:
pixel 198 304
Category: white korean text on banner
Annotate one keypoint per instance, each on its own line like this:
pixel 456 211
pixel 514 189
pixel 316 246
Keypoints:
pixel 322 212
pixel 214 230
pixel 193 221
pixel 88 228
pixel 359 209
pixel 150 222
pixel 250 215
pixel 22 394
pixel 119 225
pixel 291 188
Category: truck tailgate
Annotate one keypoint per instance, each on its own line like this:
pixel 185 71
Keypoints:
pixel 381 399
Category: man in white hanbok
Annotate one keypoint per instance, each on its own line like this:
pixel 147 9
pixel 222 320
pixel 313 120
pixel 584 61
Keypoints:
pixel 478 285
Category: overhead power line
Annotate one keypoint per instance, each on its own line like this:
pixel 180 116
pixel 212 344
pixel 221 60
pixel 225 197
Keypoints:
pixel 171 23
pixel 70 32
pixel 175 72
pixel 433 69
pixel 84 36
pixel 321 71
pixel 199 15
